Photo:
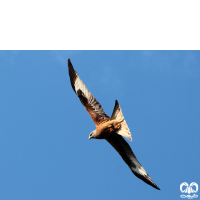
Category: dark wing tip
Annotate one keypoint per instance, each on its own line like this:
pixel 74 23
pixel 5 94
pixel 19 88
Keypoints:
pixel 72 74
pixel 156 187
pixel 147 180
pixel 69 62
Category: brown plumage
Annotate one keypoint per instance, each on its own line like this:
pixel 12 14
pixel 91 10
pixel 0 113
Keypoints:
pixel 109 128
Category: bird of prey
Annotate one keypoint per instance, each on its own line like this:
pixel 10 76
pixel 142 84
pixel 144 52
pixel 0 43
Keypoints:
pixel 109 128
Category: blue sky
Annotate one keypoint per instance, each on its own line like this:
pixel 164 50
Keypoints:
pixel 44 148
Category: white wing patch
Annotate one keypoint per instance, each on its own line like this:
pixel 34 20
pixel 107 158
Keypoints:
pixel 139 170
pixel 79 85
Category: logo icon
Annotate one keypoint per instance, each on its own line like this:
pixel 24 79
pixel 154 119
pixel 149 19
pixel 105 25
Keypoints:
pixel 192 188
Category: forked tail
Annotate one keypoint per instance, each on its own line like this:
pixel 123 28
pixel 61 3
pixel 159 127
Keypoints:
pixel 117 114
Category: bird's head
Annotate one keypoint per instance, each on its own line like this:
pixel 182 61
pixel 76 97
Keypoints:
pixel 92 134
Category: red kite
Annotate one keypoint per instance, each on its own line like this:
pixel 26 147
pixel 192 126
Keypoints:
pixel 109 128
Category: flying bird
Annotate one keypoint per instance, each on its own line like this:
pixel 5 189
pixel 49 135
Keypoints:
pixel 109 128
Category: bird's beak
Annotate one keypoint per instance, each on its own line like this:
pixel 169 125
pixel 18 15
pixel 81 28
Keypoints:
pixel 89 137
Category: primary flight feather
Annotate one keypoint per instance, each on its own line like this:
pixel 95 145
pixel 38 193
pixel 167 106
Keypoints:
pixel 109 128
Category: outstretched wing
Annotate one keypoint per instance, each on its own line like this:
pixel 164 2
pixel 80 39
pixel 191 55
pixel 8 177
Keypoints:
pixel 124 150
pixel 93 107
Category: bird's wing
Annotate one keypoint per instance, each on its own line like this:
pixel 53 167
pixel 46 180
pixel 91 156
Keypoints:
pixel 124 150
pixel 93 107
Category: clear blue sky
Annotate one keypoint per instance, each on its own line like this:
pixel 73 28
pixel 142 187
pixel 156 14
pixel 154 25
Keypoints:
pixel 44 148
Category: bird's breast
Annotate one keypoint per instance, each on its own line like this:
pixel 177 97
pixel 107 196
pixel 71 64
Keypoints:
pixel 106 129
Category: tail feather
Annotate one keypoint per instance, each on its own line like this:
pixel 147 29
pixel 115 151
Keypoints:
pixel 117 114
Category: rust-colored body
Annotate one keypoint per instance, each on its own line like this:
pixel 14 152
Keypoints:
pixel 104 130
